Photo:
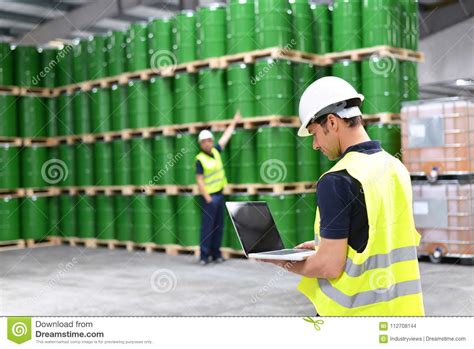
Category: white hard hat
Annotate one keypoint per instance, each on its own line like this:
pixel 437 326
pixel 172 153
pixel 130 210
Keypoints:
pixel 205 134
pixel 328 95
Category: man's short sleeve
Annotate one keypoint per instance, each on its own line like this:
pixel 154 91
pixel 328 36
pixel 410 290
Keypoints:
pixel 199 168
pixel 335 200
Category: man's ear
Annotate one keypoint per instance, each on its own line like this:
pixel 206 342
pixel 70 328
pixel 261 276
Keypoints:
pixel 332 120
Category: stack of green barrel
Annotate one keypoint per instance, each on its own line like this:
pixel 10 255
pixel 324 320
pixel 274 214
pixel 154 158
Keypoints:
pixel 389 136
pixel 307 160
pixel 8 115
pixel 10 219
pixel 322 18
pixel 115 47
pixel 381 23
pixel 34 218
pixel 185 168
pixel 80 54
pixel 241 26
pixel 165 223
pixel 349 71
pixel 142 218
pixel 274 24
pixel 47 76
pixel 186 98
pixel 136 48
pixel 141 161
pixel 86 215
pixel 137 104
pixel 97 62
pixel 303 75
pixel 9 166
pixel 305 216
pixel 211 25
pixel 165 159
pixel 160 42
pixel 123 218
pixel 240 89
pixel 244 167
pixel 161 98
pixel 212 95
pixel 276 155
pixel 302 25
pixel 347 25
pixel 188 216
pixel 7 76
pixel 27 66
pixel 184 34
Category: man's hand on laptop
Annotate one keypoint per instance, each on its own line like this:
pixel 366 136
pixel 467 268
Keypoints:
pixel 308 245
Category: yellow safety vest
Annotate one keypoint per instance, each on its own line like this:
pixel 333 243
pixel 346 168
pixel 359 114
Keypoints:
pixel 214 174
pixel 384 279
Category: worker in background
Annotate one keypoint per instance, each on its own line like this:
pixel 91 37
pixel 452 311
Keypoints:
pixel 365 238
pixel 211 180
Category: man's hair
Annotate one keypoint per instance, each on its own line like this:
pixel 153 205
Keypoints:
pixel 350 122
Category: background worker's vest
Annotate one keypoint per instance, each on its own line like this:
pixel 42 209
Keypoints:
pixel 384 279
pixel 214 175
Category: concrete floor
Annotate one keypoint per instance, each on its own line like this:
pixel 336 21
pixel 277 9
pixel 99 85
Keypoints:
pixel 76 281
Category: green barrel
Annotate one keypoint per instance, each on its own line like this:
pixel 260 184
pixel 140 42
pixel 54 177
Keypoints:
pixel 96 60
pixel 160 42
pixel 84 164
pixel 121 162
pixel 346 25
pixel 100 110
pixel 9 166
pixel 188 216
pixel 274 87
pixel 67 166
pixel 142 218
pixel 104 217
pixel 50 106
pixel 118 107
pixel 103 163
pixel 80 59
pixel 302 25
pixel 48 67
pixel 137 104
pixel 389 135
pixel 34 218
pixel 64 71
pixel 241 26
pixel 322 27
pixel 212 95
pixel 115 53
pixel 324 163
pixel 240 89
pixel 409 24
pixel 243 157
pixel 165 159
pixel 276 154
pixel 307 160
pixel 66 118
pixel 34 170
pixel 381 23
pixel 141 161
pixel 230 235
pixel 305 216
pixel 6 64
pixel 164 219
pixel 349 71
pixel 186 98
pixel 31 117
pixel 85 210
pixel 53 216
pixel 273 24
pixel 303 75
pixel 211 25
pixel 123 218
pixel 8 117
pixel 9 219
pixel 136 48
pixel 185 168
pixel 409 81
pixel 184 36
pixel 67 212
pixel 161 95
pixel 381 85
pixel 27 66
pixel 283 208
pixel 81 112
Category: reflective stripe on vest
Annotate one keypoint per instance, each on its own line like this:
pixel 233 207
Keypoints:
pixel 214 174
pixel 382 280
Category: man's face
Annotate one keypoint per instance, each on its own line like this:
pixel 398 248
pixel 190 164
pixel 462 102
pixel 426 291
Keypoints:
pixel 326 139
pixel 207 144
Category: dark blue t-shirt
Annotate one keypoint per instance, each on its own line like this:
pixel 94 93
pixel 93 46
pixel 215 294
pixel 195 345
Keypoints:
pixel 199 168
pixel 341 203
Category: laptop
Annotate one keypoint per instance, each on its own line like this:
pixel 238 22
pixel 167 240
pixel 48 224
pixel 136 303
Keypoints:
pixel 258 233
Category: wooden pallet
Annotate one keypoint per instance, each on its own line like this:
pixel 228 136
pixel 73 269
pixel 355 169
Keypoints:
pixel 10 245
pixel 276 188
pixel 13 141
pixel 75 241
pixel 36 91
pixel 383 51
pixel 109 243
pixel 10 90
pixel 386 118
pixel 46 242
pixel 228 253
pixel 273 52
pixel 40 141
pixel 12 193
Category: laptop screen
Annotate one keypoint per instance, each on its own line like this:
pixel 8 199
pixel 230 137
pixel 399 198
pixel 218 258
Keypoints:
pixel 255 226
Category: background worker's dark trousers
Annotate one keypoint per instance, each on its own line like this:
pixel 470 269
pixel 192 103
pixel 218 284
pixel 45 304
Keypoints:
pixel 212 227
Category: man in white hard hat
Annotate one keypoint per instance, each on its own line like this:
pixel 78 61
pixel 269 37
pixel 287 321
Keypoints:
pixel 211 180
pixel 365 238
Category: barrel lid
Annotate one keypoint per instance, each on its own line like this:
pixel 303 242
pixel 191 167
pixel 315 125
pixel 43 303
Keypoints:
pixel 213 5
pixel 188 13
